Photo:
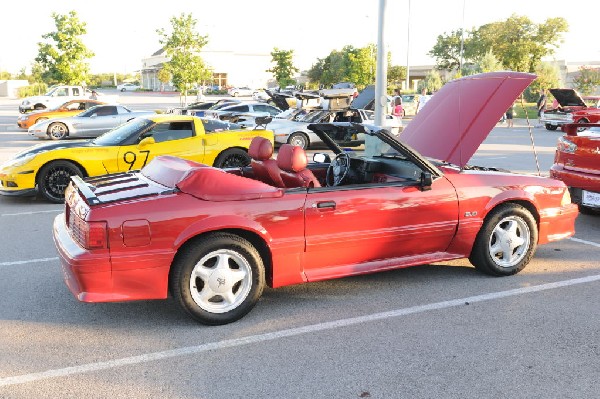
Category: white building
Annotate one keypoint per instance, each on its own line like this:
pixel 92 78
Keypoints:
pixel 230 68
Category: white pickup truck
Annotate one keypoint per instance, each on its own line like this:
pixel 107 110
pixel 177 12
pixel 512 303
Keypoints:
pixel 59 95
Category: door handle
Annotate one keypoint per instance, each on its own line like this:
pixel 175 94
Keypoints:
pixel 324 204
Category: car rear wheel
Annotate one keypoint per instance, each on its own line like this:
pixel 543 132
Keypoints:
pixel 232 158
pixel 581 129
pixel 58 131
pixel 299 139
pixel 551 127
pixel 506 242
pixel 54 178
pixel 218 278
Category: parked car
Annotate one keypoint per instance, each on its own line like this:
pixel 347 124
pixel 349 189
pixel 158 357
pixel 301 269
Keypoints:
pixel 577 164
pixel 338 108
pixel 69 108
pixel 128 87
pixel 247 111
pixel 572 109
pixel 91 123
pixel 260 95
pixel 45 168
pixel 59 94
pixel 240 91
pixel 213 239
pixel 409 104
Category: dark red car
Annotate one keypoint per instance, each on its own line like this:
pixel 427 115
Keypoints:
pixel 577 164
pixel 572 109
pixel 214 238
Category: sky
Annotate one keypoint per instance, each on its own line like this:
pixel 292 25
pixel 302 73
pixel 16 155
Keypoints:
pixel 122 33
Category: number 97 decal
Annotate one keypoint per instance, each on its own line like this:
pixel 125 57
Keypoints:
pixel 130 158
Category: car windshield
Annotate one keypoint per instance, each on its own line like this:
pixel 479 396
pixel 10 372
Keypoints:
pixel 314 116
pixel 359 140
pixel 122 134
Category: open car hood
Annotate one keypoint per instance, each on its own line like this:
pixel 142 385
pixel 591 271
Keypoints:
pixel 460 116
pixel 568 98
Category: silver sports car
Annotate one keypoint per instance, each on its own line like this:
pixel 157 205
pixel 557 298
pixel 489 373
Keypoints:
pixel 90 123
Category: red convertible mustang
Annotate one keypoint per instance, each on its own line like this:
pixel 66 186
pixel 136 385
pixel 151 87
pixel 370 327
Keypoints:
pixel 214 238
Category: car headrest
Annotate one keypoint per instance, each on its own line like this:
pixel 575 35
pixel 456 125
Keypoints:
pixel 291 158
pixel 260 149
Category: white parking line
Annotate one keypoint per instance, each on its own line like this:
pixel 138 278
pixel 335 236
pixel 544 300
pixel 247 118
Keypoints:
pixel 31 213
pixel 252 339
pixel 593 244
pixel 23 262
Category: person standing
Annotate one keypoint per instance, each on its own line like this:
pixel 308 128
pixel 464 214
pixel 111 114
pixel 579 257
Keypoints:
pixel 423 98
pixel 509 116
pixel 397 110
pixel 541 105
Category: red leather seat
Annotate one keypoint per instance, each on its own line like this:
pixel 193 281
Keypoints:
pixel 292 161
pixel 264 168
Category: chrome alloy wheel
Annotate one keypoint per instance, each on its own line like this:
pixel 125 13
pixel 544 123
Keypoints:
pixel 221 281
pixel 509 241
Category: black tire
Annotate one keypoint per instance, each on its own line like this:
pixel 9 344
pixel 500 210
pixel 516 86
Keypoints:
pixel 39 107
pixel 53 179
pixel 508 224
pixel 122 90
pixel 235 94
pixel 232 158
pixel 217 279
pixel 299 139
pixel 551 127
pixel 58 131
pixel 583 120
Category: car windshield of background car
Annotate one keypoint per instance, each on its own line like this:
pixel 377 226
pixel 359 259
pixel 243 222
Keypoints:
pixel 127 133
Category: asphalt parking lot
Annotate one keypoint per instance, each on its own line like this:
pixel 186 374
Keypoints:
pixel 436 331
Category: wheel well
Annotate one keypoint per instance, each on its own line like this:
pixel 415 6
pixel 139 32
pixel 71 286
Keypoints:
pixel 525 204
pixel 254 239
pixel 76 164
pixel 218 157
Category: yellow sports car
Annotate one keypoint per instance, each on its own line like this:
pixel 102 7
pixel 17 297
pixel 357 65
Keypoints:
pixel 70 108
pixel 46 168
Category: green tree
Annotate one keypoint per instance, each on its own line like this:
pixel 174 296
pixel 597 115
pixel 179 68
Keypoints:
pixel 432 82
pixel 62 57
pixel 489 63
pixel 284 68
pixel 446 50
pixel 395 75
pixel 548 76
pixel 351 64
pixel 588 80
pixel 518 43
pixel 183 45
pixel 164 77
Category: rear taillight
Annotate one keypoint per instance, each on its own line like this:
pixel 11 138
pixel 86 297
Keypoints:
pixel 567 146
pixel 96 235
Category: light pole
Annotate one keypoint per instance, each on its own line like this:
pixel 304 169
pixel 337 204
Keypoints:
pixel 408 50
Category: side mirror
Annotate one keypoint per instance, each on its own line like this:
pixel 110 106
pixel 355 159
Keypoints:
pixel 320 157
pixel 146 142
pixel 426 181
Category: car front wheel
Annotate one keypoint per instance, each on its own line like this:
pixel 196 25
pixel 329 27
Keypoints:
pixel 218 278
pixel 54 178
pixel 551 127
pixel 58 131
pixel 506 242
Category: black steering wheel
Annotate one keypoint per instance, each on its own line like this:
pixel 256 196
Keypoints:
pixel 337 170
